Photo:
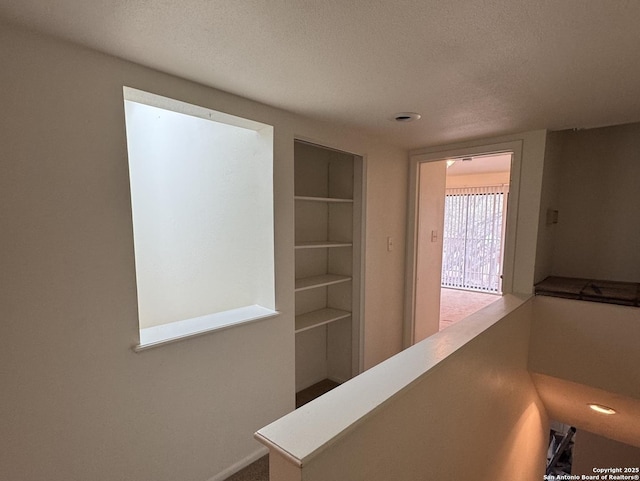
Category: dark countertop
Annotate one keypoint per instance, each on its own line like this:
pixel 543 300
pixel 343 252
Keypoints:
pixel 610 292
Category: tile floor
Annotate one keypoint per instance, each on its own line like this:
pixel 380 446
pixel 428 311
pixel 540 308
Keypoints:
pixel 456 304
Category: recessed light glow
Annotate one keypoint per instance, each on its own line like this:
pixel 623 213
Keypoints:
pixel 450 163
pixel 599 408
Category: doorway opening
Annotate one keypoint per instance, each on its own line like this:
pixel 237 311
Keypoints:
pixel 476 195
pixel 431 174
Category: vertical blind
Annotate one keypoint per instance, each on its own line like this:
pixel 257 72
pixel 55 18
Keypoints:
pixel 473 238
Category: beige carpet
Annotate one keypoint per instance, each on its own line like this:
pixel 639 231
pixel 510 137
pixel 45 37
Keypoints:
pixel 317 390
pixel 257 471
pixel 456 304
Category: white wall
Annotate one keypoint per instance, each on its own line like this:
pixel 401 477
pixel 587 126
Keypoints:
pixel 477 180
pixel 548 202
pixel 587 342
pixel 593 451
pixel 598 196
pixel 431 199
pixel 386 216
pixel 202 202
pixel 458 405
pixel 586 352
pixel 77 402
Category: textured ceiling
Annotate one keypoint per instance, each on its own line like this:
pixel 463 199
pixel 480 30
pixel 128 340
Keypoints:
pixel 472 69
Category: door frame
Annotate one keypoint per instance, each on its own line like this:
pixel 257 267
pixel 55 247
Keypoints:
pixel 515 148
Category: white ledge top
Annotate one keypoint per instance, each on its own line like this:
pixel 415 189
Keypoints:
pixel 302 434
pixel 176 331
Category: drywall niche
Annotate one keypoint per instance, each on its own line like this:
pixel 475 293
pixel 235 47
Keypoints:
pixel 202 203
pixel 328 259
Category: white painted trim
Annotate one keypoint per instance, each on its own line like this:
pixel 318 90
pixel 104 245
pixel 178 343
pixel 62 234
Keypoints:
pixel 311 429
pixel 290 458
pixel 512 146
pixel 177 331
pixel 243 463
pixel 359 285
pixel 166 103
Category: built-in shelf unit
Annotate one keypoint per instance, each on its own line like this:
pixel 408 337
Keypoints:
pixel 328 261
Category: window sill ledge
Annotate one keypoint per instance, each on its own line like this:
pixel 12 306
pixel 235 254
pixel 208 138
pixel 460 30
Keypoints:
pixel 155 336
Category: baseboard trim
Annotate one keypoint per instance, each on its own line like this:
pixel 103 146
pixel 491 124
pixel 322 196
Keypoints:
pixel 339 380
pixel 243 463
